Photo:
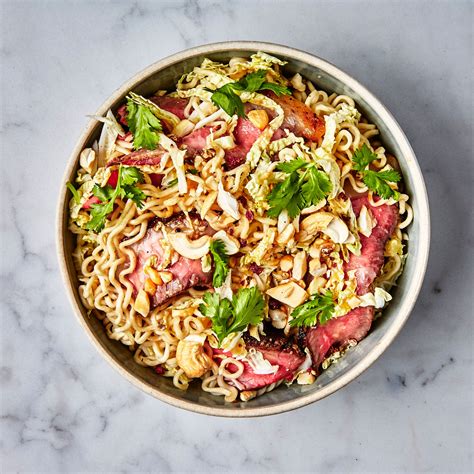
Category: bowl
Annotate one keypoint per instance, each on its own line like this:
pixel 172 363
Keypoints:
pixel 163 74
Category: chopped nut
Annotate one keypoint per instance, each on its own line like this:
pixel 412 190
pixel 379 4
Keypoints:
pixel 314 265
pixel 154 275
pixel 300 265
pixel 166 276
pixel 191 357
pixel 142 303
pixel 149 286
pixel 259 118
pixel 286 235
pixel 316 222
pixel 306 378
pixel 286 263
pixel 316 284
pixel 289 293
pixel 278 318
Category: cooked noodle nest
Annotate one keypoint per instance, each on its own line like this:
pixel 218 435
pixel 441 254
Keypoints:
pixel 104 261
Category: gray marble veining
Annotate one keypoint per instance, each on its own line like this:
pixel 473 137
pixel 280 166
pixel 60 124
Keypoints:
pixel 64 409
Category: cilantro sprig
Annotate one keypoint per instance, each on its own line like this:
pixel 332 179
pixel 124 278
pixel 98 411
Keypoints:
pixel 233 316
pixel 319 309
pixel 228 100
pixel 305 186
pixel 144 125
pixel 221 262
pixel 126 189
pixel 376 181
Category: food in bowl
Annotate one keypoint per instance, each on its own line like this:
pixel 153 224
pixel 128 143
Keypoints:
pixel 243 230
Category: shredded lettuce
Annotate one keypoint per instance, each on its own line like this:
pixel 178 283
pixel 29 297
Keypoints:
pixel 257 254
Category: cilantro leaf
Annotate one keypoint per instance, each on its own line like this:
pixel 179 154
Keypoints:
pixel 293 165
pixel 278 89
pixel 389 175
pixel 228 316
pixel 319 308
pixel 126 189
pixel 378 184
pixel 74 192
pixel 104 194
pixel 219 311
pixel 316 188
pixel 286 195
pixel 299 190
pixel 376 181
pixel 248 306
pixel 99 213
pixel 226 98
pixel 363 157
pixel 131 175
pixel 221 260
pixel 144 126
pixel 135 194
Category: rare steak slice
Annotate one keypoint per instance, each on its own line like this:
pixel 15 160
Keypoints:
pixel 356 324
pixel 186 272
pixel 277 349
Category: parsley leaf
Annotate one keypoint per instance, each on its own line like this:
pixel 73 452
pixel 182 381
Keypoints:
pixel 228 316
pixel 126 189
pixel 144 125
pixel 226 98
pixel 299 190
pixel 319 308
pixel 221 260
pixel 376 181
pixel 74 192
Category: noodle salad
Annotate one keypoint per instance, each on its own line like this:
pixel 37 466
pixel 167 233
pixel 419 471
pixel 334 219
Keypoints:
pixel 244 229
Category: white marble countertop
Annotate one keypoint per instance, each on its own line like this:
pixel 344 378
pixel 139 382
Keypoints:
pixel 64 409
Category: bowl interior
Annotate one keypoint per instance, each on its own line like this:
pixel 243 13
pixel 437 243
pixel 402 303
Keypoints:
pixel 164 75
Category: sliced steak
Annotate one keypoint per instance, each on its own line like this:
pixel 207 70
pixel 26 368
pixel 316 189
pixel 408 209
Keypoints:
pixel 140 157
pixel 195 142
pixel 245 134
pixel 186 272
pixel 299 118
pixel 368 264
pixel 356 323
pixel 278 350
pixel 338 331
pixel 175 105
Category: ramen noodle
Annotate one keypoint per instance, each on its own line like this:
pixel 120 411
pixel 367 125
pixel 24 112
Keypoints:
pixel 241 231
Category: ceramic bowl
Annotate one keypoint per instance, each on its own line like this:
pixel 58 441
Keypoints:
pixel 162 75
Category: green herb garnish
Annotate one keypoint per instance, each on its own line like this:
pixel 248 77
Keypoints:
pixel 144 125
pixel 75 193
pixel 376 181
pixel 305 186
pixel 233 316
pixel 319 308
pixel 126 189
pixel 226 98
pixel 221 260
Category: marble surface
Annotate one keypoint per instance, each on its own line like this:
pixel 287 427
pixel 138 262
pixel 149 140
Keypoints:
pixel 64 409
